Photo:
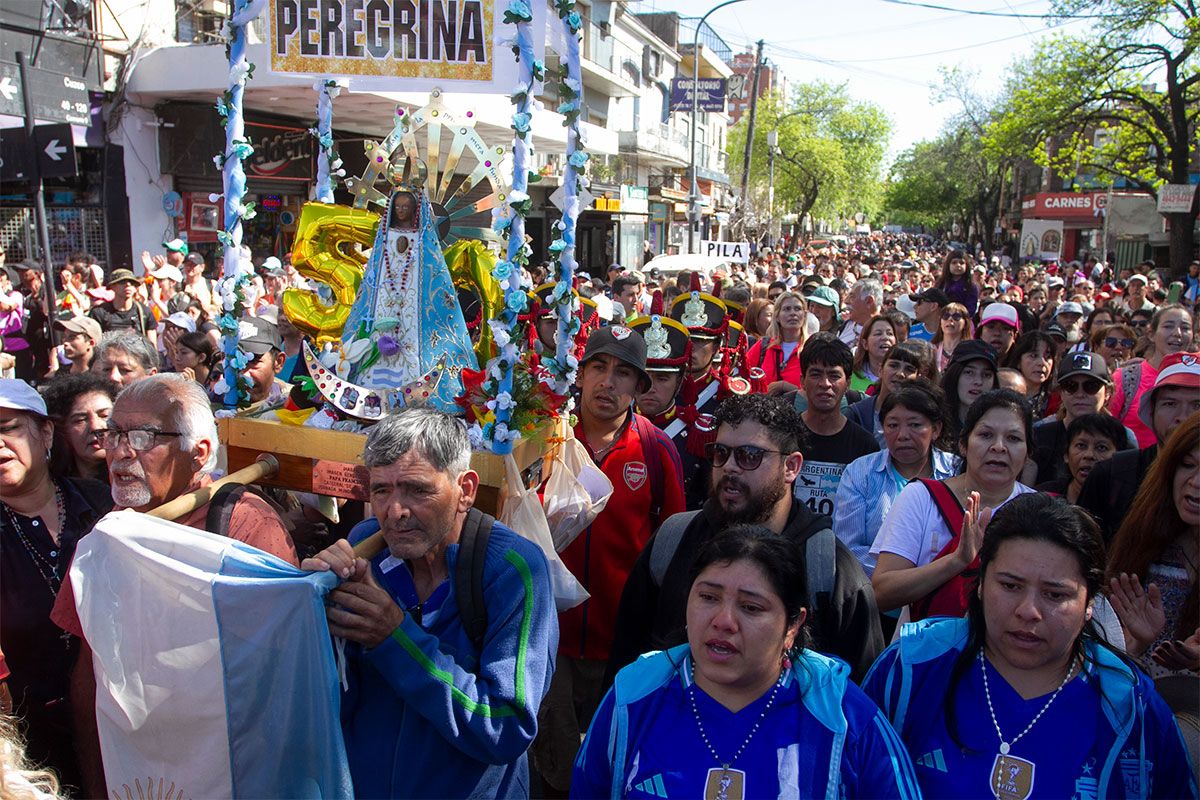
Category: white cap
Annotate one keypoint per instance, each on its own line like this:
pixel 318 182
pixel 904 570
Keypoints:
pixel 167 271
pixel 17 395
pixel 906 306
pixel 1000 312
pixel 1137 276
pixel 1054 281
pixel 181 319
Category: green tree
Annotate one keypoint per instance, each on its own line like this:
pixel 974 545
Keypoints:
pixel 829 158
pixel 1136 73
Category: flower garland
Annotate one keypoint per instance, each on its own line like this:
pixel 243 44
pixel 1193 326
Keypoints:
pixel 328 163
pixel 570 92
pixel 233 288
pixel 498 435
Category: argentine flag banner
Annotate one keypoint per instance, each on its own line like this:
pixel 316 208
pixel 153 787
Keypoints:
pixel 214 672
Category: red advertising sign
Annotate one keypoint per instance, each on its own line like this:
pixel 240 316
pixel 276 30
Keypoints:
pixel 1064 205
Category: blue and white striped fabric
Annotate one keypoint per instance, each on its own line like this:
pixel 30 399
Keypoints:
pixel 214 673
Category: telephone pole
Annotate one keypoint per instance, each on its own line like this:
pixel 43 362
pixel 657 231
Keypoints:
pixel 745 203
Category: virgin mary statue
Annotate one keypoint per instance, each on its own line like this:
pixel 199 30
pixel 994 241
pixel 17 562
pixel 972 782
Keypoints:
pixel 408 306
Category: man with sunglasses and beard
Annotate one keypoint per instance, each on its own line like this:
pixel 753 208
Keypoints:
pixel 756 459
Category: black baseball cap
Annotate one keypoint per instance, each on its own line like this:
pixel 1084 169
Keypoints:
pixel 974 350
pixel 1083 362
pixel 931 295
pixel 622 343
pixel 265 338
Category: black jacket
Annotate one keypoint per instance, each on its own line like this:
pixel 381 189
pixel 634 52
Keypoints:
pixel 1111 486
pixel 653 618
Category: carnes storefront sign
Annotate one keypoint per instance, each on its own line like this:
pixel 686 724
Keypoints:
pixel 1064 205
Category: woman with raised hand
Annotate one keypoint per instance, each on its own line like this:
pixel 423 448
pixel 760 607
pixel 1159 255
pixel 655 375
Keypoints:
pixel 1022 698
pixel 742 709
pixel 927 551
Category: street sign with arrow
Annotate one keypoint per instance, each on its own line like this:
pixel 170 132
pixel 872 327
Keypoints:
pixel 58 98
pixel 55 150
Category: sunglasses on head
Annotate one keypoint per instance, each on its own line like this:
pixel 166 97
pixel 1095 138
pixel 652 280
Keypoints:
pixel 1088 386
pixel 1112 341
pixel 746 456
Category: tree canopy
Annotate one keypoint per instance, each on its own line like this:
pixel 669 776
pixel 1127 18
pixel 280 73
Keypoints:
pixel 830 156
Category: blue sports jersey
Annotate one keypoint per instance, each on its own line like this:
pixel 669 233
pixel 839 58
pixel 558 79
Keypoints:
pixel 664 753
pixel 1086 745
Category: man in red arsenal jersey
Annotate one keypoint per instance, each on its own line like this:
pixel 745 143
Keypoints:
pixel 646 475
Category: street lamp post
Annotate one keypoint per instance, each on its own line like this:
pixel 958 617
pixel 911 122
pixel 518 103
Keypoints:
pixel 693 189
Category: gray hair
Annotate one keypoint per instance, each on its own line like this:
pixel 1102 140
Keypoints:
pixel 136 345
pixel 436 436
pixel 188 410
pixel 868 287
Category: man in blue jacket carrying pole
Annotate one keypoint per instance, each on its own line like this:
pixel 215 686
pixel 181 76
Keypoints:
pixel 451 631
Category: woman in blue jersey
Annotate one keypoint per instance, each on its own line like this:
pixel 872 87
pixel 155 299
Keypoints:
pixel 742 710
pixel 1020 699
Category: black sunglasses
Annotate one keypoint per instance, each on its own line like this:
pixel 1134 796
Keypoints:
pixel 746 456
pixel 954 315
pixel 1140 323
pixel 1112 341
pixel 1089 386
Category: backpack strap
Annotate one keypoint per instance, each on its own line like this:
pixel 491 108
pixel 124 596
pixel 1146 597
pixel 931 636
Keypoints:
pixel 820 564
pixel 468 574
pixel 654 471
pixel 220 508
pixel 666 542
pixel 947 596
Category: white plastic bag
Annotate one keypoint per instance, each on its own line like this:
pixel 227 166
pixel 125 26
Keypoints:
pixel 522 511
pixel 576 492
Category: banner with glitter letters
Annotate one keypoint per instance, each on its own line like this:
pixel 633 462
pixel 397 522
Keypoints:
pixel 459 45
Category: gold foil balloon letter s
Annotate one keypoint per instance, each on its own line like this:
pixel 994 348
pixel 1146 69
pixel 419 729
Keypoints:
pixel 325 251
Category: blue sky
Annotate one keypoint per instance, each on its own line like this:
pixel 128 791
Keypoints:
pixel 884 52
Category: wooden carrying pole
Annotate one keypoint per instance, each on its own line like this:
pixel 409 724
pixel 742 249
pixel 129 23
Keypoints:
pixel 264 467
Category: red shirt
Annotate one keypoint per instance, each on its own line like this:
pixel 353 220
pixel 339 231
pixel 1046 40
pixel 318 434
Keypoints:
pixel 774 366
pixel 602 556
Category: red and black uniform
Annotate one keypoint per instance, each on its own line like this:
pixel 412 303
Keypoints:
pixel 604 553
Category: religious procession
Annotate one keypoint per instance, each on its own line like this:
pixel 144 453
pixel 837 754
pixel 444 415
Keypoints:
pixel 500 398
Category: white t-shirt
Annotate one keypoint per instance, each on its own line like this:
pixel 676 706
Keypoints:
pixel 914 528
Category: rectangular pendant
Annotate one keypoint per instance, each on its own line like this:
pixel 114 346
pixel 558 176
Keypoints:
pixel 725 784
pixel 1012 778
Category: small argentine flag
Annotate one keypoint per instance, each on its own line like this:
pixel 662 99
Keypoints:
pixel 214 672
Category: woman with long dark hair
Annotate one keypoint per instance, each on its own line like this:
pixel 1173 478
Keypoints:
pixel 1021 698
pixel 972 371
pixel 877 338
pixel 1033 355
pixel 955 326
pixel 1153 578
pixel 742 709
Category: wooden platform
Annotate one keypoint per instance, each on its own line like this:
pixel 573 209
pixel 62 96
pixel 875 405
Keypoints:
pixel 330 462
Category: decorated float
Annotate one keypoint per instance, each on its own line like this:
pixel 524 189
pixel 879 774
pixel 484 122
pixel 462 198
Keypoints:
pixel 412 305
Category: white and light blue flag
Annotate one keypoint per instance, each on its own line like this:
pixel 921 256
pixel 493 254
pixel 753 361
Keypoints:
pixel 214 672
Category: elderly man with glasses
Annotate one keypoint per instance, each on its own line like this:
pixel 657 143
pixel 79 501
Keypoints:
pixel 161 443
pixel 756 459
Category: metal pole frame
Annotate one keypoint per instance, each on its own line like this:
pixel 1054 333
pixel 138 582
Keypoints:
pixel 39 206
pixel 693 189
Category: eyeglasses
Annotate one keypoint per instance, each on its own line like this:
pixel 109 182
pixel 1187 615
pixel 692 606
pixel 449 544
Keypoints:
pixel 140 440
pixel 954 315
pixel 746 456
pixel 1140 323
pixel 1112 341
pixel 1089 386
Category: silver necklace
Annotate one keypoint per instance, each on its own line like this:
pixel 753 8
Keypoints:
pixel 700 723
pixel 1006 746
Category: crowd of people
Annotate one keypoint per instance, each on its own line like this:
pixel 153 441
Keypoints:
pixel 875 507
